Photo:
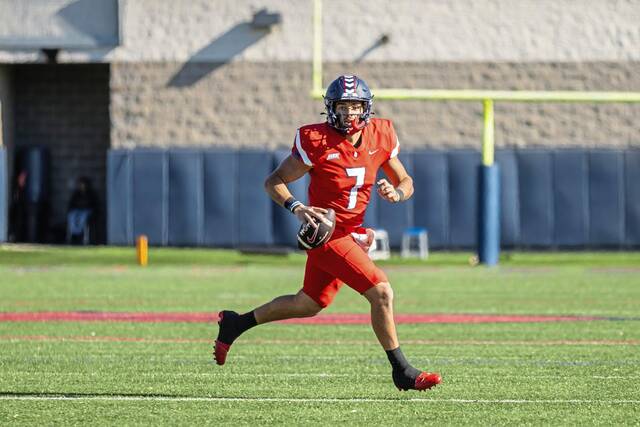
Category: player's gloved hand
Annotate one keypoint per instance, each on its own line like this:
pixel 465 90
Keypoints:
pixel 311 215
pixel 387 191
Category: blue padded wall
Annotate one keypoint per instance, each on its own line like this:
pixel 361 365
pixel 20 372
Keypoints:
pixel 186 213
pixel 463 198
pixel 536 198
pixel 4 188
pixel 119 218
pixel 254 227
pixel 215 197
pixel 632 197
pixel 220 187
pixel 286 225
pixel 606 198
pixel 571 198
pixel 509 198
pixel 431 197
pixel 371 215
pixel 150 195
pixel 395 217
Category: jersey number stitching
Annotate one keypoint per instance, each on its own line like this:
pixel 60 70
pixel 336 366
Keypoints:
pixel 353 194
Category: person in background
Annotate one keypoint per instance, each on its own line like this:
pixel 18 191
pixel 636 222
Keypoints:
pixel 82 212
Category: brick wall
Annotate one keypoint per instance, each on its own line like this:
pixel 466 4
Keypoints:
pixel 65 108
pixel 261 104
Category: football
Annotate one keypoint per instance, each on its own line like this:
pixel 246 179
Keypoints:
pixel 310 237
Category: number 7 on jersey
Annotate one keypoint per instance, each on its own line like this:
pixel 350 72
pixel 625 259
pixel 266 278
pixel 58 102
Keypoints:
pixel 358 173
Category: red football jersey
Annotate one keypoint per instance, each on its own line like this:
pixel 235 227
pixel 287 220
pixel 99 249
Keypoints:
pixel 342 176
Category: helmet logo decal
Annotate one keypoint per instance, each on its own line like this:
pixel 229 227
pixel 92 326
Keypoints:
pixel 349 84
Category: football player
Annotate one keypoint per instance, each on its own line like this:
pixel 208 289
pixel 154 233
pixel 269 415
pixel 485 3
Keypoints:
pixel 342 157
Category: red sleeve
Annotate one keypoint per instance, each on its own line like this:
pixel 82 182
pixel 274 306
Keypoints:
pixel 395 144
pixel 391 139
pixel 300 149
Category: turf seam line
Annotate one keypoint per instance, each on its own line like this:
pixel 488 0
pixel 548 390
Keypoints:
pixel 306 400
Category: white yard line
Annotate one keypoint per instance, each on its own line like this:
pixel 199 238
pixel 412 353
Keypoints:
pixel 325 375
pixel 305 400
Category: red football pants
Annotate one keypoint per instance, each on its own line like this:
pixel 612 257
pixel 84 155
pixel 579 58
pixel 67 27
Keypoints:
pixel 335 263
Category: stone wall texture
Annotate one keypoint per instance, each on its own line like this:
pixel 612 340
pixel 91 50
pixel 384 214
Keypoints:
pixel 197 73
pixel 246 104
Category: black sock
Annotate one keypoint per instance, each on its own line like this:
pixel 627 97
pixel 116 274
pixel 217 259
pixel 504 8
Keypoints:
pixel 246 321
pixel 397 359
pixel 234 324
pixel 404 375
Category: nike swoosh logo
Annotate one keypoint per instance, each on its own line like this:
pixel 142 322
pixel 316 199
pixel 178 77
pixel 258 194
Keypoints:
pixel 311 238
pixel 371 153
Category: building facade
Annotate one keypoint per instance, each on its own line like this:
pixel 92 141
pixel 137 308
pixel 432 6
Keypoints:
pixel 202 73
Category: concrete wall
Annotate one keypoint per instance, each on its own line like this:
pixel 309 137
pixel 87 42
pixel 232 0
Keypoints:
pixel 420 31
pixel 6 99
pixel 6 145
pixel 245 87
pixel 195 73
pixel 74 24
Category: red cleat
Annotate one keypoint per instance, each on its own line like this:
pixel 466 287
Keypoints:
pixel 220 348
pixel 423 381
pixel 427 380
pixel 220 352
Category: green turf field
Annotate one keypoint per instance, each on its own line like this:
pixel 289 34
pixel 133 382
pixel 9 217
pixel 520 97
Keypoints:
pixel 576 373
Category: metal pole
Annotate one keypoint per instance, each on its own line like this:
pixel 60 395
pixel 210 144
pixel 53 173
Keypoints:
pixel 506 96
pixel 488 134
pixel 489 229
pixel 317 48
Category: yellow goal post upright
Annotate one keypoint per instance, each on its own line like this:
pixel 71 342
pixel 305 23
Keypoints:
pixel 489 231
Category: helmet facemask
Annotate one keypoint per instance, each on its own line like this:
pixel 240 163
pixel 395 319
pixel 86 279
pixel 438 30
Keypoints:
pixel 348 88
pixel 342 123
